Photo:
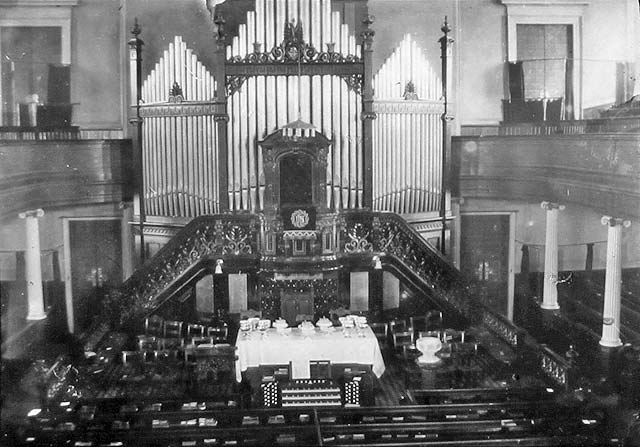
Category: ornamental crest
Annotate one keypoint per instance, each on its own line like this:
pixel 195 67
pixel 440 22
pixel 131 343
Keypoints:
pixel 299 218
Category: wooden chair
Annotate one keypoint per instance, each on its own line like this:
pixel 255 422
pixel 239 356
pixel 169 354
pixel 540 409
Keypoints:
pixel 170 344
pixel 147 343
pixel 196 330
pixel 402 338
pixel 278 372
pixel 154 326
pixel 398 326
pixel 434 320
pixel 418 323
pixel 218 333
pixel 198 341
pixel 320 369
pixel 173 329
pixel 129 357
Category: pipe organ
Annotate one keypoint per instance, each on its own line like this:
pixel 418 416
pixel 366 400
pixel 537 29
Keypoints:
pixel 180 163
pixel 291 60
pixel 264 103
pixel 407 134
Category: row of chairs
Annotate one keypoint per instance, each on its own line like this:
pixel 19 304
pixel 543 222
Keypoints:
pixel 151 343
pixel 401 332
pixel 184 353
pixel 156 326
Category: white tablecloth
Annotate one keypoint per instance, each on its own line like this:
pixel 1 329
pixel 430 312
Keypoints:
pixel 298 347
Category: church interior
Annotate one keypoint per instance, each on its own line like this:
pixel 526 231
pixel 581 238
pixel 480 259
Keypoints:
pixel 320 222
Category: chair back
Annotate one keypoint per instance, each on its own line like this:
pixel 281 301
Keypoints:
pixel 398 326
pixel 278 372
pixel 402 338
pixel 197 341
pixel 147 343
pixel 129 357
pixel 218 333
pixel 170 344
pixel 154 326
pixel 418 323
pixel 172 329
pixel 196 330
pixel 320 369
pixel 434 320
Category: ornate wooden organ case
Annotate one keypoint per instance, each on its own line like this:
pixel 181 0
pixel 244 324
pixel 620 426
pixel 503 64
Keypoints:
pixel 278 61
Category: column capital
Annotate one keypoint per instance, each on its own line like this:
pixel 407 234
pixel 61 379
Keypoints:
pixel 613 221
pixel 551 206
pixel 31 213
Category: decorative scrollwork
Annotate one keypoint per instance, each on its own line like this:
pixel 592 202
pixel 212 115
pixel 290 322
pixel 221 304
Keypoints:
pixel 358 240
pixel 226 235
pixel 237 242
pixel 294 49
pixel 354 82
pixel 234 83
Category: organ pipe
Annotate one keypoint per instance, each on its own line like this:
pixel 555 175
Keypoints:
pixel 180 160
pixel 407 147
pixel 269 102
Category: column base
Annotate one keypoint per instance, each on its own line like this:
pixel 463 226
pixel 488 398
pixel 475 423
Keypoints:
pixel 610 343
pixel 549 306
pixel 36 317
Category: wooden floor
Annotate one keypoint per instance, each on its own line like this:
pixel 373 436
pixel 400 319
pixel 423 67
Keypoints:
pixel 391 387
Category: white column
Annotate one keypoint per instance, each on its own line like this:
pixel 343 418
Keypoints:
pixel 33 267
pixel 612 282
pixel 550 291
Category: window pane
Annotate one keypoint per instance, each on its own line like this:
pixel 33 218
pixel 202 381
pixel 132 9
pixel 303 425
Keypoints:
pixel 26 55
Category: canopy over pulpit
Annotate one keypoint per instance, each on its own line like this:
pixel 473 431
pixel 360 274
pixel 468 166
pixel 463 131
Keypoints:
pixel 295 170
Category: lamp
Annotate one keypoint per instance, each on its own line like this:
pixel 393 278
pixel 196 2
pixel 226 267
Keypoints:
pixel 218 270
pixel 377 264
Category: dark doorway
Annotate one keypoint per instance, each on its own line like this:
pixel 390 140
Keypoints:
pixel 295 180
pixel 96 265
pixel 484 257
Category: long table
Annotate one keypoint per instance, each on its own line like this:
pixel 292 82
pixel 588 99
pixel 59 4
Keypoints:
pixel 275 347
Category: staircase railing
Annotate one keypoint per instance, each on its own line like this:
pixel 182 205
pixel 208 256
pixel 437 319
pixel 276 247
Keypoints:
pixel 389 235
pixel 203 238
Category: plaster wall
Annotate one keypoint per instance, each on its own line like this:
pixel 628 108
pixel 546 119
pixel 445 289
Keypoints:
pixel 96 65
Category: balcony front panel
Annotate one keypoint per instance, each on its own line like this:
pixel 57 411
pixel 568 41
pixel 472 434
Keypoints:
pixel 601 171
pixel 61 173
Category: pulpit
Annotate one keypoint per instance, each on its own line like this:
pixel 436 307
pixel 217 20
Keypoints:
pixel 295 170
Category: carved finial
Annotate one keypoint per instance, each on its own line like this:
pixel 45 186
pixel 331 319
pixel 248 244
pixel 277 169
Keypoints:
pixel 175 94
pixel 445 28
pixel 219 22
pixel 410 92
pixel 367 34
pixel 136 30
